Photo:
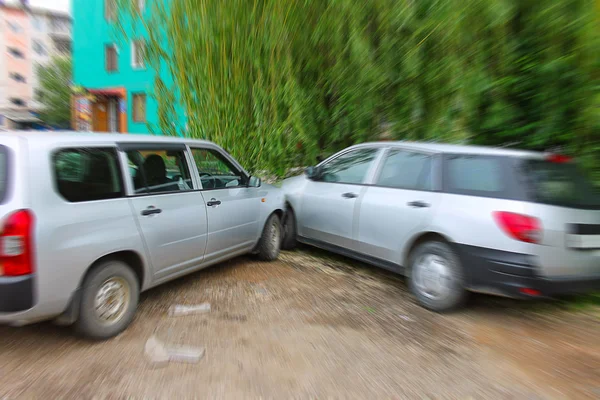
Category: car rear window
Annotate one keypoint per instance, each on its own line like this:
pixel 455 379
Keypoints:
pixel 87 174
pixel 561 184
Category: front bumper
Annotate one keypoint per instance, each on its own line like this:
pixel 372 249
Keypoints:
pixel 16 293
pixel 516 275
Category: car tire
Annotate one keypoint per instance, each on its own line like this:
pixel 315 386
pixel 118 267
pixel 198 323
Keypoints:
pixel 289 231
pixel 269 244
pixel 436 277
pixel 110 282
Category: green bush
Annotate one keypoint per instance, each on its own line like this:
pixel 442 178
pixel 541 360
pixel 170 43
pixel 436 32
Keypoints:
pixel 278 82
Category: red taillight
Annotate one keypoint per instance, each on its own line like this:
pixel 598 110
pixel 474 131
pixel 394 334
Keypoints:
pixel 558 158
pixel 519 226
pixel 530 291
pixel 16 244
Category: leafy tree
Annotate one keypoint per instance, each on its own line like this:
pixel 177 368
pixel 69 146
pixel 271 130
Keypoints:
pixel 278 82
pixel 55 91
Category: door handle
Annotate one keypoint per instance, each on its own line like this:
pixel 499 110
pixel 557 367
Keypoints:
pixel 213 202
pixel 418 204
pixel 349 195
pixel 151 210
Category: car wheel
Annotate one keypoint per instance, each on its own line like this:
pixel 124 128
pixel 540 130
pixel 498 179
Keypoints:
pixel 436 277
pixel 289 231
pixel 270 241
pixel 109 300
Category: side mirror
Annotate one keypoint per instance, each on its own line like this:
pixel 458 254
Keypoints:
pixel 311 172
pixel 254 182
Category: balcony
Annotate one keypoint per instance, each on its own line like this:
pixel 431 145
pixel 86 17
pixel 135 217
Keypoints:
pixel 62 45
pixel 60 28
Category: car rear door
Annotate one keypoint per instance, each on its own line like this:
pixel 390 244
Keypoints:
pixel 400 203
pixel 233 208
pixel 329 201
pixel 171 214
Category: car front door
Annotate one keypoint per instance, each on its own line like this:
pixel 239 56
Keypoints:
pixel 170 213
pixel 329 201
pixel 233 208
pixel 399 204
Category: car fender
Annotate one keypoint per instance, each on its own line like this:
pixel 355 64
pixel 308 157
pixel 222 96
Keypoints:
pixel 272 200
pixel 293 189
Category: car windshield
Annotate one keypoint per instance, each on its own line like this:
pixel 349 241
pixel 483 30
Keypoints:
pixel 561 184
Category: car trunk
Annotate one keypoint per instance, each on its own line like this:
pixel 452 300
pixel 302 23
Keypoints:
pixel 568 207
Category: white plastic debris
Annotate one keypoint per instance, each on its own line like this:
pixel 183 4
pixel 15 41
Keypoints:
pixel 179 310
pixel 160 355
pixel 185 354
pixel 156 352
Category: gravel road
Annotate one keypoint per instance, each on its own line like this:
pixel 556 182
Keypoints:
pixel 312 325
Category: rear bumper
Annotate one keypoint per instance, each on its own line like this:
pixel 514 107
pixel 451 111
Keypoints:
pixel 16 293
pixel 516 275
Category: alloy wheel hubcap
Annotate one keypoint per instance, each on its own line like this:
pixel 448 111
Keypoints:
pixel 433 277
pixel 112 300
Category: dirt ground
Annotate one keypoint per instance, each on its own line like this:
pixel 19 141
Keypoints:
pixel 314 326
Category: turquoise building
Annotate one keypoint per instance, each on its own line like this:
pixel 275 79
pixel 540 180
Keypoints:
pixel 112 85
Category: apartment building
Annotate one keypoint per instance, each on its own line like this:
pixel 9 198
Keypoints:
pixel 29 38
pixel 113 83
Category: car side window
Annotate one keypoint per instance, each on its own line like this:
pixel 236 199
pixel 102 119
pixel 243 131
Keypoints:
pixel 406 170
pixel 159 171
pixel 215 171
pixel 87 174
pixel 350 167
pixel 474 175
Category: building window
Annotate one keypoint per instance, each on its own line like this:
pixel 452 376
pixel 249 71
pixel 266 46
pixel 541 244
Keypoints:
pixel 138 48
pixel 111 57
pixel 110 10
pixel 16 28
pixel 18 77
pixel 38 23
pixel 39 48
pixel 63 46
pixel 17 102
pixel 15 52
pixel 60 25
pixel 139 107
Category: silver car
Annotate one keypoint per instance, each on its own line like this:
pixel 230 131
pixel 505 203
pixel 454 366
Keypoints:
pixel 88 221
pixel 453 219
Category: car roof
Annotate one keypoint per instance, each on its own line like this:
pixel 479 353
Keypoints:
pixel 95 137
pixel 455 149
pixel 65 136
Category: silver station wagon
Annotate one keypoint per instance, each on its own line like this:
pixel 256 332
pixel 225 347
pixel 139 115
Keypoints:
pixel 88 221
pixel 453 219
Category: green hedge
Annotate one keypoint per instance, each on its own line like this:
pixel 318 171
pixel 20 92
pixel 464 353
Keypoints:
pixel 278 82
